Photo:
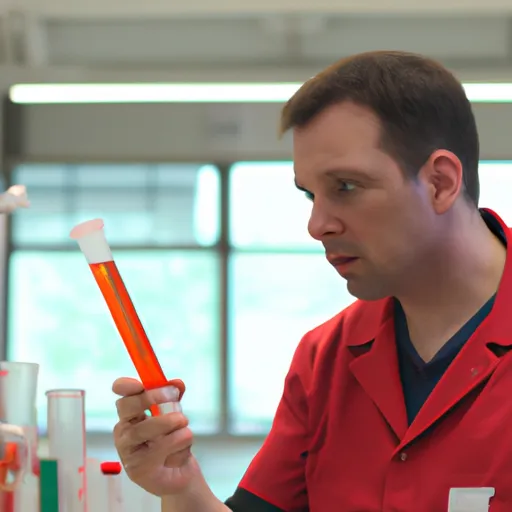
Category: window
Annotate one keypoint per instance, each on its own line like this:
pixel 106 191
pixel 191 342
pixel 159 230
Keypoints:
pixel 156 205
pixel 276 299
pixel 163 223
pixel 495 187
pixel 57 316
pixel 267 211
pixel 281 287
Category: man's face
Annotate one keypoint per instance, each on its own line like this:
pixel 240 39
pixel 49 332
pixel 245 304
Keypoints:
pixel 376 225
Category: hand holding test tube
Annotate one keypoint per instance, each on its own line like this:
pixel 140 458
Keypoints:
pixel 91 239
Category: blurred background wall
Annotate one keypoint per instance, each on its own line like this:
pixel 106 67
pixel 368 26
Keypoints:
pixel 197 198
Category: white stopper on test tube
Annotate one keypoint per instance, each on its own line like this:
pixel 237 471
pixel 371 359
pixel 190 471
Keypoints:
pixel 90 236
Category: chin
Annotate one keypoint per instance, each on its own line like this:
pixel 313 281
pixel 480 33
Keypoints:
pixel 365 290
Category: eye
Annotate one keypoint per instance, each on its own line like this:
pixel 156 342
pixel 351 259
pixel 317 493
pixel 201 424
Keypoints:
pixel 344 186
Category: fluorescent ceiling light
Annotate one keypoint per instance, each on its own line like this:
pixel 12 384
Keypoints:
pixel 200 93
pixel 153 93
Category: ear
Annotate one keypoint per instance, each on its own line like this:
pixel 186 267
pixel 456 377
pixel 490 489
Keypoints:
pixel 442 173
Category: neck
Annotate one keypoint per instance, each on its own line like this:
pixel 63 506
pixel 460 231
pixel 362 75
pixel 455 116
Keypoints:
pixel 458 280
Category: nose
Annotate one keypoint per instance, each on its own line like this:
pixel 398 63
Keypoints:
pixel 323 223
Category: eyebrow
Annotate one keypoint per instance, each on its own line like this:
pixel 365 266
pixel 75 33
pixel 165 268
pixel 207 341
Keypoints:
pixel 341 174
pixel 350 174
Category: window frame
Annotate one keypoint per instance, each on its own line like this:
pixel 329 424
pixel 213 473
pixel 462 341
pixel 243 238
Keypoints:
pixel 221 248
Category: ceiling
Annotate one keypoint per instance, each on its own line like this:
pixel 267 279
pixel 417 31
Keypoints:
pixel 122 38
pixel 114 9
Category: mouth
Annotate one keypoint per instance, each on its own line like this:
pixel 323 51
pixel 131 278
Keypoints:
pixel 341 263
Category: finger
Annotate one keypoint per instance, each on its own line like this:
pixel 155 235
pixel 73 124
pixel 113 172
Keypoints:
pixel 170 449
pixel 151 430
pixel 177 446
pixel 132 408
pixel 179 459
pixel 127 387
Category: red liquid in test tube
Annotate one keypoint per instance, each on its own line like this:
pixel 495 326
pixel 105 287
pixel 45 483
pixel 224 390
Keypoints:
pixel 93 244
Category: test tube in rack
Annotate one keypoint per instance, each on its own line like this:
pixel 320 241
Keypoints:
pixel 67 445
pixel 18 389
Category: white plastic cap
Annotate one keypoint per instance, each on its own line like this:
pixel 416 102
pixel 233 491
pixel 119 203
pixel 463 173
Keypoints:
pixel 92 242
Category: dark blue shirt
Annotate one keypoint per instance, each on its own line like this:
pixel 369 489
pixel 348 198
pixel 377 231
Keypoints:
pixel 419 377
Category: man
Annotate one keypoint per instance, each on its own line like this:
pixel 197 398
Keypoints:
pixel 400 403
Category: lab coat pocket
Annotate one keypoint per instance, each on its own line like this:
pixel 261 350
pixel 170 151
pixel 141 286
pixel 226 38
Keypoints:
pixel 470 499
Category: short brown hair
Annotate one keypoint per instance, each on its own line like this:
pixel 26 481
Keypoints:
pixel 421 105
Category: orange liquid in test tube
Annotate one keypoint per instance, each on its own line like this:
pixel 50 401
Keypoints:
pixel 93 244
pixel 128 324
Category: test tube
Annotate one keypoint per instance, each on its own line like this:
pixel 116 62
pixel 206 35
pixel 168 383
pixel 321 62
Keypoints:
pixel 18 390
pixel 67 445
pixel 112 470
pixel 96 486
pixel 91 239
